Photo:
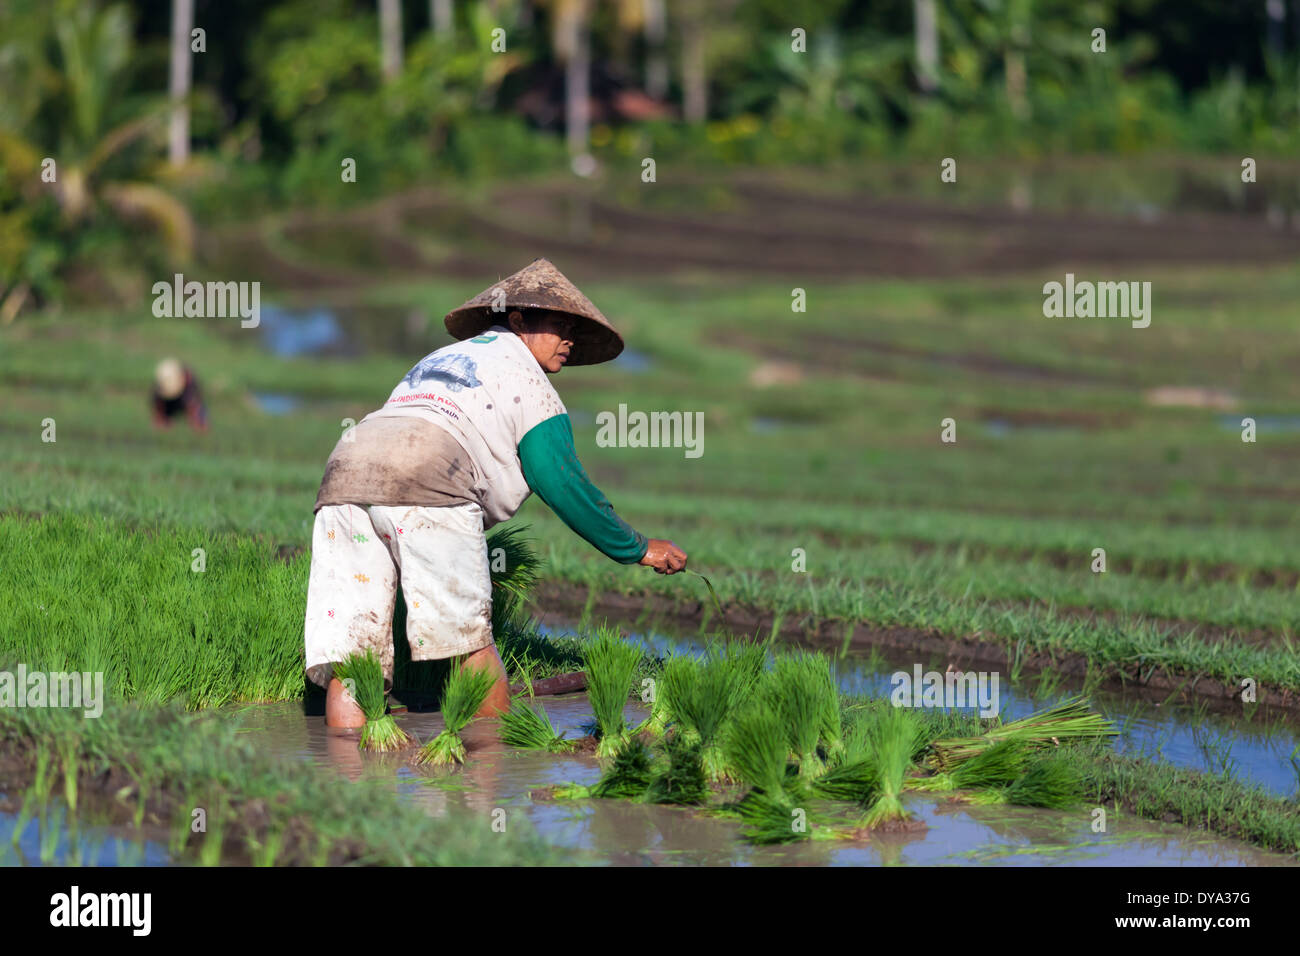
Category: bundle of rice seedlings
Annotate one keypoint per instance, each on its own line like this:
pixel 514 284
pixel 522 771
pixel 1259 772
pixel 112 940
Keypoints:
pixel 893 736
pixel 854 774
pixel 660 716
pixel 748 661
pixel 1067 720
pixel 796 691
pixel 832 723
pixel 1053 782
pixel 610 665
pixel 770 819
pixel 629 774
pixel 528 727
pixel 682 780
pixel 997 766
pixel 366 677
pixel 755 747
pixel 701 695
pixel 462 696
pixel 511 585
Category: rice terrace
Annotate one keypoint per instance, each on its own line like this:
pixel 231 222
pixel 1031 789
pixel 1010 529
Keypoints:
pixel 975 502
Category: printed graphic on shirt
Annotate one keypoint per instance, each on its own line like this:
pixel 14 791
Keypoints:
pixel 456 371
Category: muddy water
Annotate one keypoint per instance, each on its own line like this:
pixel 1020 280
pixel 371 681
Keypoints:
pixel 1255 750
pixel 625 833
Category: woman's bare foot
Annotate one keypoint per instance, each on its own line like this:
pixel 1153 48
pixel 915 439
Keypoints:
pixel 498 698
pixel 340 709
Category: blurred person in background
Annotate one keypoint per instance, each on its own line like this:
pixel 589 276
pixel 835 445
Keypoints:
pixel 176 392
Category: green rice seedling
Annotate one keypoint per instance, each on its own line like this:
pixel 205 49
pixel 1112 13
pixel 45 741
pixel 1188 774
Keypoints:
pixel 892 738
pixel 572 791
pixel 702 694
pixel 611 663
pixel 854 774
pixel 364 677
pixel 528 727
pixel 1067 720
pixel 770 818
pixel 796 691
pixel 463 695
pixel 656 723
pixel 682 779
pixel 755 746
pixel 514 567
pixel 997 766
pixel 1053 782
pixel 629 773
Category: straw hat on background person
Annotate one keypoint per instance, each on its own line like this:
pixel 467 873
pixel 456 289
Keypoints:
pixel 540 287
pixel 169 377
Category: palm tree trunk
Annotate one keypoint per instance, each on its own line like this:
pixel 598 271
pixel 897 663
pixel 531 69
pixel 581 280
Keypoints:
pixel 695 80
pixel 927 45
pixel 577 75
pixel 440 17
pixel 656 32
pixel 390 37
pixel 178 133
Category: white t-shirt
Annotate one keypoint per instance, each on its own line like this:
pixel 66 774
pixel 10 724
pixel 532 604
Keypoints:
pixel 488 391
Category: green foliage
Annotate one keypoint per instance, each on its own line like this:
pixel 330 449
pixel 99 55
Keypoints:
pixel 527 726
pixel 466 690
pixel 364 676
pixel 681 779
pixel 611 664
pixel 893 738
pixel 268 810
pixel 629 773
pixel 1054 782
pixel 756 747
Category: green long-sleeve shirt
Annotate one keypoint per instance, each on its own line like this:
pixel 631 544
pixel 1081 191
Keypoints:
pixel 551 468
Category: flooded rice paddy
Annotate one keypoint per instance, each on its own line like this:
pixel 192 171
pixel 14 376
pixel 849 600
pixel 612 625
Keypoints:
pixel 625 833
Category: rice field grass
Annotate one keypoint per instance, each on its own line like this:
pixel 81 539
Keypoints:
pixel 153 767
pixel 992 535
pixel 176 563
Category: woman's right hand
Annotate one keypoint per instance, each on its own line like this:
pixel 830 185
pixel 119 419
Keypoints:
pixel 664 556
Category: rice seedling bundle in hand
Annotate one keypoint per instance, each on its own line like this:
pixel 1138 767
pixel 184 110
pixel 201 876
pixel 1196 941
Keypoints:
pixel 363 675
pixel 527 726
pixel 514 573
pixel 682 779
pixel 629 774
pixel 1068 720
pixel 464 693
pixel 892 736
pixel 610 665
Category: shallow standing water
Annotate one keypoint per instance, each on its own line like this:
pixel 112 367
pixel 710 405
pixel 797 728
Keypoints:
pixel 1258 750
pixel 625 833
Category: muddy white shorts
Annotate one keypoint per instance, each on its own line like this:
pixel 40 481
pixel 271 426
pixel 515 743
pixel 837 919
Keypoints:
pixel 359 556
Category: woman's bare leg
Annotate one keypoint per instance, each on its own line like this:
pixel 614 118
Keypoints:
pixel 498 698
pixel 340 709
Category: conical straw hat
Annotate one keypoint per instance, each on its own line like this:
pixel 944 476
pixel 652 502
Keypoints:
pixel 169 376
pixel 539 285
